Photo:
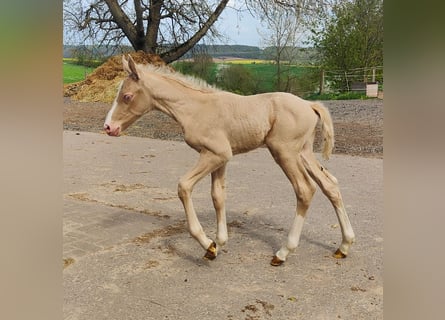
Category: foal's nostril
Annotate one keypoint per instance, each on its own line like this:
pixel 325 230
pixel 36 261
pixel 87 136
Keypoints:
pixel 106 127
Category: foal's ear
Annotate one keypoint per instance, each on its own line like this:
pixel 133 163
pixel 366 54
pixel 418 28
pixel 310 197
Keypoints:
pixel 130 67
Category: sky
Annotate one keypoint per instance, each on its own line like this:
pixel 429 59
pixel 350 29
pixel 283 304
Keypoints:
pixel 240 29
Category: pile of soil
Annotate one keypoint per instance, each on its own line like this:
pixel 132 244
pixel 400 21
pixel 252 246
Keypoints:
pixel 101 84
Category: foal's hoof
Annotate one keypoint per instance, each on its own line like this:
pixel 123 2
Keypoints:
pixel 211 252
pixel 276 261
pixel 339 255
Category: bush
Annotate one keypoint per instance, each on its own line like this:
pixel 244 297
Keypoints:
pixel 308 82
pixel 85 57
pixel 201 67
pixel 237 79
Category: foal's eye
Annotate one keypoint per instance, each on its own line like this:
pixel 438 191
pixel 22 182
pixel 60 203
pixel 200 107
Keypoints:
pixel 127 97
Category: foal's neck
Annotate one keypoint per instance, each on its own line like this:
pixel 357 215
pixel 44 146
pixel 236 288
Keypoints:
pixel 175 98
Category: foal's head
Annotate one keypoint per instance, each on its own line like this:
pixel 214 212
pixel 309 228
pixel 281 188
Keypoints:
pixel 131 101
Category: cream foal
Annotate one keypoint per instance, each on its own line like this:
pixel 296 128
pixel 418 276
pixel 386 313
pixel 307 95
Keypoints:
pixel 218 125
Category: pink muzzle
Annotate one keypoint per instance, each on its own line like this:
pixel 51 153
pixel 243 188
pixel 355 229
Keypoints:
pixel 112 131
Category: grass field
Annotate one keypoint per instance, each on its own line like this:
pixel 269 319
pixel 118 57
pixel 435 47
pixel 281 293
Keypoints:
pixel 260 69
pixel 73 72
pixel 262 72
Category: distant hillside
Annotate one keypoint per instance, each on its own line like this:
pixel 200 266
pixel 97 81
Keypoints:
pixel 304 55
pixel 217 51
pixel 299 55
pixel 221 51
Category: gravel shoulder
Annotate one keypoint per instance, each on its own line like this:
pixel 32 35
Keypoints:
pixel 358 124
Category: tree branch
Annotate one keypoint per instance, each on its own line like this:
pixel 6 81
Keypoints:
pixel 179 51
pixel 122 20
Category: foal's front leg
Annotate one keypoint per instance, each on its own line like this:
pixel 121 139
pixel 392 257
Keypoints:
pixel 208 162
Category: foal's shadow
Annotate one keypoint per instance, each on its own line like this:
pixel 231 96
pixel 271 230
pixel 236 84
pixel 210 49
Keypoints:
pixel 272 234
pixel 241 227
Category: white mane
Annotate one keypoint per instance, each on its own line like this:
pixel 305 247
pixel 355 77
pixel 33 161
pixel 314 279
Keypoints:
pixel 185 80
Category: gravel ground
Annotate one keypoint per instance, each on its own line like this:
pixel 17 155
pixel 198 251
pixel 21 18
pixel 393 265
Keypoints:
pixel 358 124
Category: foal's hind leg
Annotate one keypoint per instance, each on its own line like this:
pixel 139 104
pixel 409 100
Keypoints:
pixel 304 190
pixel 219 198
pixel 329 185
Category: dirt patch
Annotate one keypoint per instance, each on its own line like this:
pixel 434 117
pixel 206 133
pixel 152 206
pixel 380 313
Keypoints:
pixel 67 262
pixel 83 196
pixel 235 224
pixel 151 264
pixel 355 288
pixel 164 232
pixel 260 306
pixel 128 188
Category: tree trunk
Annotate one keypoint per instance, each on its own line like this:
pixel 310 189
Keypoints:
pixel 154 20
pixel 139 27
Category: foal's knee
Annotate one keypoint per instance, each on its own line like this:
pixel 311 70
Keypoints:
pixel 183 190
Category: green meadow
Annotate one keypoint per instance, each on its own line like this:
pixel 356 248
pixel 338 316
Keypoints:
pixel 262 72
pixel 73 72
pixel 260 69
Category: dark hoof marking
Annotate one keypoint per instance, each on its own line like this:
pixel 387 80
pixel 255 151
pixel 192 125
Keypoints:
pixel 276 261
pixel 339 255
pixel 211 252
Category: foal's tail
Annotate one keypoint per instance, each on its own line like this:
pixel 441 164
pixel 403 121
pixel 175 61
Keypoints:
pixel 327 128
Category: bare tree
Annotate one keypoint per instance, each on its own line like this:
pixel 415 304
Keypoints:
pixel 282 38
pixel 166 27
pixel 284 21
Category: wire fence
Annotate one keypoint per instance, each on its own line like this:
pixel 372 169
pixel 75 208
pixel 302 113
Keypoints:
pixel 315 80
pixel 357 79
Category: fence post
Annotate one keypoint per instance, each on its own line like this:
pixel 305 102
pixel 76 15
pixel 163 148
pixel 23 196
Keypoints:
pixel 373 74
pixel 322 82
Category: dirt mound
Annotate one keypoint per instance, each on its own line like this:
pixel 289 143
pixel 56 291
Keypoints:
pixel 101 84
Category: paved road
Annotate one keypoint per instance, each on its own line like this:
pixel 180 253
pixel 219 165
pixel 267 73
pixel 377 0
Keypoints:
pixel 127 254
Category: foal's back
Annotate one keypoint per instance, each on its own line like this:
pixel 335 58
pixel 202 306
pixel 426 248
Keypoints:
pixel 249 121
